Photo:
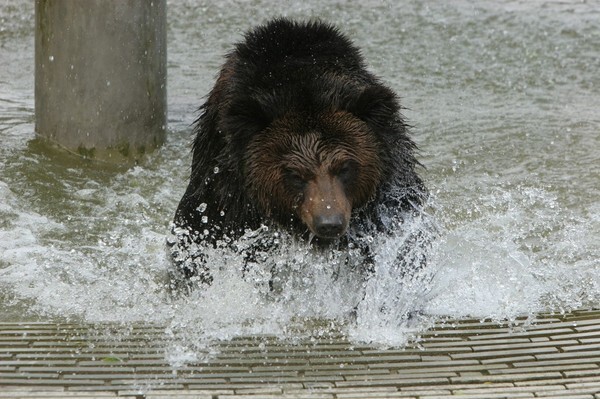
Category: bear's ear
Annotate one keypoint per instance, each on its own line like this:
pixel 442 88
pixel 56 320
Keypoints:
pixel 245 116
pixel 375 105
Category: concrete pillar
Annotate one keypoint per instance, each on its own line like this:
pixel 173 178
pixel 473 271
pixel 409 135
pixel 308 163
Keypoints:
pixel 100 76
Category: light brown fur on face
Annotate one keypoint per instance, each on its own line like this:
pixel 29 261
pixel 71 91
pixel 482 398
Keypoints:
pixel 326 209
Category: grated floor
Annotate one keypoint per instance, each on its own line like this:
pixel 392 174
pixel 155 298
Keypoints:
pixel 558 356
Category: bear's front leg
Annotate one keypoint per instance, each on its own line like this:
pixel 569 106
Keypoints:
pixel 190 267
pixel 258 264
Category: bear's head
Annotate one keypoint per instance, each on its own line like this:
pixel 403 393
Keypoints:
pixel 313 170
pixel 309 156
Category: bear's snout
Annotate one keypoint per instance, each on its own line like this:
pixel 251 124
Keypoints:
pixel 326 208
pixel 329 226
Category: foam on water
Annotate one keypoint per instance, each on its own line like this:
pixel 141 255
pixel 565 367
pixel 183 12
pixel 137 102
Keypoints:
pixel 517 253
pixel 295 290
pixel 512 256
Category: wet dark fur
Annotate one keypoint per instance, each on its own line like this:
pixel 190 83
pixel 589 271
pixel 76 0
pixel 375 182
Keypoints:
pixel 302 76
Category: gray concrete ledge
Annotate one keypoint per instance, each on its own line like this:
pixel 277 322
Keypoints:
pixel 558 356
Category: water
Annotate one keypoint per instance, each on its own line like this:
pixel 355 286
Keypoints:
pixel 504 99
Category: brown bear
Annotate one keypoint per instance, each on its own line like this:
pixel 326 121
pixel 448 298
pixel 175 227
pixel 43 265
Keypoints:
pixel 296 134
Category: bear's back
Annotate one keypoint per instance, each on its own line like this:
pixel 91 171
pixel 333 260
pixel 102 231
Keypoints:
pixel 282 46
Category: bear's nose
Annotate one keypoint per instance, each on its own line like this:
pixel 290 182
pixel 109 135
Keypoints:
pixel 329 226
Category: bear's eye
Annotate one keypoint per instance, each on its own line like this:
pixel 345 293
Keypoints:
pixel 347 171
pixel 294 180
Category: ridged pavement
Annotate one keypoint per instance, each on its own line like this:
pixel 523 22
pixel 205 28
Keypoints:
pixel 558 356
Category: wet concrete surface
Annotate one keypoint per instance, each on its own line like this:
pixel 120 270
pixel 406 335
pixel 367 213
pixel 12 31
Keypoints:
pixel 555 356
